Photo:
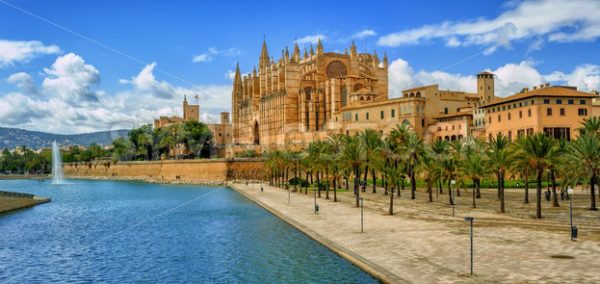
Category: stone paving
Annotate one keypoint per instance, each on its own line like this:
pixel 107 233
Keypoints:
pixel 420 246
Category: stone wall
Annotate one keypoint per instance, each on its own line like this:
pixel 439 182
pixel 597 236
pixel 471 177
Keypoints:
pixel 213 170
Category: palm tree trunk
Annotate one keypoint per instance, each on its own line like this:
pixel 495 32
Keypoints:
pixel 374 180
pixel 398 194
pixel 413 183
pixel 430 189
pixel 498 178
pixel 538 212
pixel 555 197
pixel 327 185
pixel 391 210
pixel 474 192
pixel 450 199
pixel 501 184
pixel 385 186
pixel 334 189
pixel 306 185
pixel 318 184
pixel 356 190
pixel 526 188
pixel 441 184
pixel 593 191
pixel 364 187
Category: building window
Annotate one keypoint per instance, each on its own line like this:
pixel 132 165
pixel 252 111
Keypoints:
pixel 582 112
pixel 520 114
pixel 356 116
pixel 558 101
pixel 581 102
pixel 499 118
pixel 532 102
pixel 344 96
pixel 549 111
pixel 546 101
pixel 529 112
pixel 520 133
pixel 562 112
pixel 393 113
pixel 558 132
pixel 381 114
pixel 439 129
pixel 422 122
pixel 570 102
pixel 445 110
pixel 529 131
pixel 367 116
pixel 509 135
pixel 490 119
pixel 509 116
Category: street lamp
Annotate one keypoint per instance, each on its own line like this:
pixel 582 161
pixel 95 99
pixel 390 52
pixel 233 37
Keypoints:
pixel 470 220
pixel 452 183
pixel 573 228
pixel 261 185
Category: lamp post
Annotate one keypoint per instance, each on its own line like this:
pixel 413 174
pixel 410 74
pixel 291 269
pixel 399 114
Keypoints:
pixel 470 220
pixel 289 195
pixel 573 228
pixel 261 185
pixel 362 206
pixel 452 183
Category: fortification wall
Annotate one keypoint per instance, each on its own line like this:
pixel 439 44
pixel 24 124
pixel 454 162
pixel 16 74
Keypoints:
pixel 214 170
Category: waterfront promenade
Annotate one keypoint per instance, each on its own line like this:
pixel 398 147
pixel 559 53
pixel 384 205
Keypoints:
pixel 416 246
pixel 10 201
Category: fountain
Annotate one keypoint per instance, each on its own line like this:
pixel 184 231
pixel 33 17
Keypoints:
pixel 57 170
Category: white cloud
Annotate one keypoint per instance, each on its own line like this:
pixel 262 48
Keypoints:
pixel 145 82
pixel 363 34
pixel 551 20
pixel 201 58
pixel 311 39
pixel 71 79
pixel 213 51
pixel 23 51
pixel 510 78
pixel 24 81
pixel 59 109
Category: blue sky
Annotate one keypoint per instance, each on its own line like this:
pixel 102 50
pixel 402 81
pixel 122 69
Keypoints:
pixel 54 80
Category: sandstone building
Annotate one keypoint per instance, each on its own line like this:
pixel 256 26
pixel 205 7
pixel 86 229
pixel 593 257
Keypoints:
pixel 306 96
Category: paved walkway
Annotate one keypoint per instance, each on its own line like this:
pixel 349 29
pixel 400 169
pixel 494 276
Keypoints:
pixel 428 248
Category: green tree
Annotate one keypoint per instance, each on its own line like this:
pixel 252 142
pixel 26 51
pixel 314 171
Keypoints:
pixel 473 164
pixel 586 152
pixel 499 161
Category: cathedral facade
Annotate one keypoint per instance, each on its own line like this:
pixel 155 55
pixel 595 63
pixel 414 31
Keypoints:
pixel 295 99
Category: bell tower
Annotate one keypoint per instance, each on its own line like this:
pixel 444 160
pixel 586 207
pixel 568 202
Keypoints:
pixel 485 87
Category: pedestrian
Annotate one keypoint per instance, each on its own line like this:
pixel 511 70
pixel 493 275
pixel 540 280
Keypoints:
pixel 548 195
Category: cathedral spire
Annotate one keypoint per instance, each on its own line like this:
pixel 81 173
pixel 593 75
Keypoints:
pixel 296 55
pixel 319 47
pixel 305 53
pixel 385 59
pixel 264 54
pixel 237 81
pixel 353 49
pixel 312 51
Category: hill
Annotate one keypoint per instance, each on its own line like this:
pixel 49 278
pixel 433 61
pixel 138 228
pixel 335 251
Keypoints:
pixel 14 137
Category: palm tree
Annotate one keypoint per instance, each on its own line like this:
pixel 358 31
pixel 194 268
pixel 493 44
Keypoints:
pixel 430 170
pixel 439 149
pixel 335 151
pixel 557 159
pixel 537 150
pixel 316 152
pixel 413 151
pixel 520 164
pixel 590 125
pixel 473 164
pixel 499 159
pixel 392 170
pixel 372 142
pixel 586 151
pixel 354 157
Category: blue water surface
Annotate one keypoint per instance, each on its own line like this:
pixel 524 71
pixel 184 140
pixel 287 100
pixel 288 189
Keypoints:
pixel 132 232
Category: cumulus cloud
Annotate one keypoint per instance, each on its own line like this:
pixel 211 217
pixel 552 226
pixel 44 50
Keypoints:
pixel 58 108
pixel 71 79
pixel 24 81
pixel 145 82
pixel 550 20
pixel 311 39
pixel 363 34
pixel 510 78
pixel 201 58
pixel 23 51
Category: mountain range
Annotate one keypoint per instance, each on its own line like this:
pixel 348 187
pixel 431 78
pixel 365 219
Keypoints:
pixel 14 137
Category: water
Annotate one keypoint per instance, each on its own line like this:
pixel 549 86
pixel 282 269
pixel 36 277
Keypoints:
pixel 88 233
pixel 57 170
